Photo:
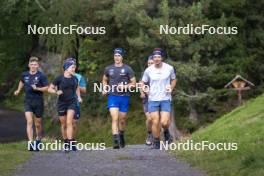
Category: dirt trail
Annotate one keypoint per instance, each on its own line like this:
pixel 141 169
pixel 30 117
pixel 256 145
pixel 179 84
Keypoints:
pixel 134 160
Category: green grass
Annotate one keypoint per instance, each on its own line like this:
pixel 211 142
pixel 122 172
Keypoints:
pixel 244 126
pixel 12 154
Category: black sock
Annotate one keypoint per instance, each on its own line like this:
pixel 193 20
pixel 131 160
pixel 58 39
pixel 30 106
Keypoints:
pixel 166 131
pixel 121 133
pixel 66 141
pixel 116 136
pixel 156 139
pixel 149 132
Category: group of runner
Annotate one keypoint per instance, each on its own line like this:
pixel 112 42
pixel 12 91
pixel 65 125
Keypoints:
pixel 68 87
pixel 157 83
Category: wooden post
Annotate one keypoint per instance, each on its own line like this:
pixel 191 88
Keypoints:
pixel 239 95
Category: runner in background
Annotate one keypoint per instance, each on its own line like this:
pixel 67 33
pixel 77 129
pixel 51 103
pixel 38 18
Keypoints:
pixel 144 96
pixel 34 83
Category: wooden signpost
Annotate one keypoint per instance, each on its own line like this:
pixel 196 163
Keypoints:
pixel 239 84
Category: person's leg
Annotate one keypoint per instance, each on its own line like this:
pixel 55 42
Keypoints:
pixel 74 126
pixel 154 108
pixel 165 119
pixel 29 118
pixel 38 111
pixel 149 139
pixel 148 122
pixel 76 118
pixel 38 126
pixel 155 124
pixel 114 116
pixel 69 121
pixel 113 106
pixel 122 123
pixel 123 109
pixel 63 127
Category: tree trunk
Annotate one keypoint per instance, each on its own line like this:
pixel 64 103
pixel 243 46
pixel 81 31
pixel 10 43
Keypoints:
pixel 176 134
pixel 193 116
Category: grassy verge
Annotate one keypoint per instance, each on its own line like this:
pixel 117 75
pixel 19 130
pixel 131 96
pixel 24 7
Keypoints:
pixel 12 154
pixel 244 126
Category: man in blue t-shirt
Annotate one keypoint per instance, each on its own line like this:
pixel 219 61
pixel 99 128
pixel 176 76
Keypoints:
pixel 120 78
pixel 34 83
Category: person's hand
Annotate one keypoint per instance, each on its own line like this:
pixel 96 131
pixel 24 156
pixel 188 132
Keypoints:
pixel 104 93
pixel 59 92
pixel 142 95
pixel 80 99
pixel 16 92
pixel 168 88
pixel 34 87
pixel 122 87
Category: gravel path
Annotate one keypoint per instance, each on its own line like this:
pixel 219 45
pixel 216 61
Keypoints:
pixel 134 160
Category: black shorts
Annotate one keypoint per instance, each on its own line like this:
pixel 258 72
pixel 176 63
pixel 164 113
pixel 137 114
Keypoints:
pixel 34 105
pixel 62 107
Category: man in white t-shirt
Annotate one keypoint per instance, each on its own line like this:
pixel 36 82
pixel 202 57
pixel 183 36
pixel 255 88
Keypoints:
pixel 162 80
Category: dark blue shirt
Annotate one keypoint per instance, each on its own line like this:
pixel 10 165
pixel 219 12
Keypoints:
pixel 38 79
pixel 118 75
pixel 68 86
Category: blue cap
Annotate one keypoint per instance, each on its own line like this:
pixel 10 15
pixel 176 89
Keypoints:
pixel 150 57
pixel 69 59
pixel 157 53
pixel 119 51
pixel 67 64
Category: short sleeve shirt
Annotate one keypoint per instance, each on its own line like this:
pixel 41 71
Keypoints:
pixel 118 75
pixel 159 79
pixel 68 86
pixel 38 79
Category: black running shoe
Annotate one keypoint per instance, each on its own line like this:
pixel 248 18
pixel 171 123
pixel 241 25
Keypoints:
pixel 149 140
pixel 66 145
pixel 37 144
pixel 31 144
pixel 73 146
pixel 167 137
pixel 122 141
pixel 156 144
pixel 116 141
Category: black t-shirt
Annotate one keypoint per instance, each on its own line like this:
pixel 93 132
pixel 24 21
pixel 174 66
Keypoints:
pixel 68 86
pixel 118 75
pixel 38 79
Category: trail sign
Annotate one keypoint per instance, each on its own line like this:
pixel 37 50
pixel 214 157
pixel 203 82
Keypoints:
pixel 239 84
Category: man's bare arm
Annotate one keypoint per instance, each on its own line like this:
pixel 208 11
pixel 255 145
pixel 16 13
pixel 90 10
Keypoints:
pixel 20 86
pixel 105 82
